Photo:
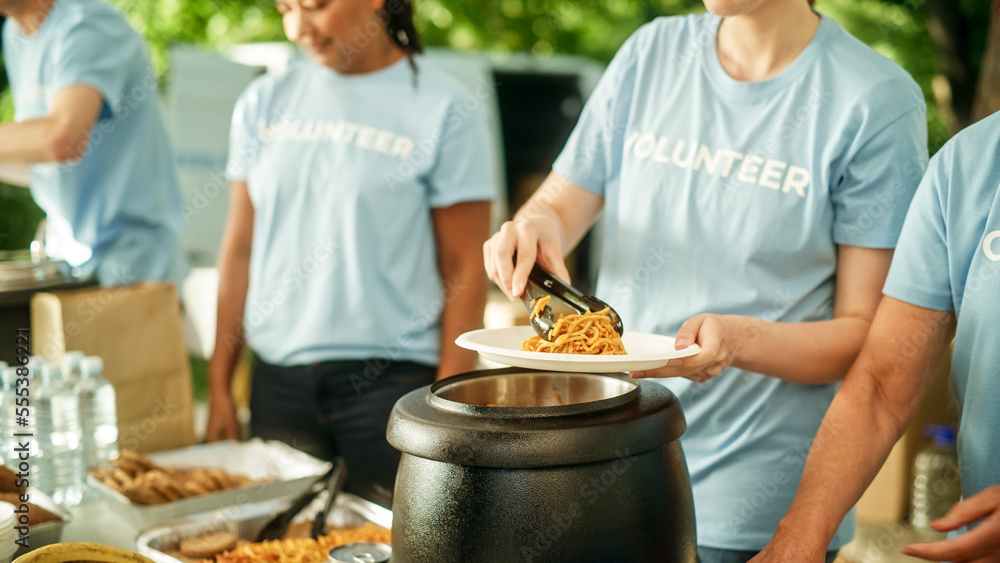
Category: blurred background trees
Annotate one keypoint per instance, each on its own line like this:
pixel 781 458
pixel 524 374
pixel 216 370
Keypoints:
pixel 949 46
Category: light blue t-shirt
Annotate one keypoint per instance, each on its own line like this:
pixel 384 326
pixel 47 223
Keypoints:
pixel 344 172
pixel 948 259
pixel 731 197
pixel 117 212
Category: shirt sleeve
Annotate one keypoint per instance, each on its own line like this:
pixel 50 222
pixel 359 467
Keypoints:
pixel 465 169
pixel 244 142
pixel 920 273
pixel 876 186
pixel 96 50
pixel 593 151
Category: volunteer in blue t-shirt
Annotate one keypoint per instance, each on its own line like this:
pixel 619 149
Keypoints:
pixel 944 283
pixel 754 165
pixel 87 119
pixel 360 200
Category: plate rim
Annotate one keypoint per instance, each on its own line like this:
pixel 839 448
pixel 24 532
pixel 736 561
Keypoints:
pixel 555 360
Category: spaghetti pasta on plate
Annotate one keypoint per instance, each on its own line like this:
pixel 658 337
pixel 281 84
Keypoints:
pixel 589 333
pixel 503 345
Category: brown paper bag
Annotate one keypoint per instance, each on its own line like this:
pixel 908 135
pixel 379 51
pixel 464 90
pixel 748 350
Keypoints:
pixel 137 330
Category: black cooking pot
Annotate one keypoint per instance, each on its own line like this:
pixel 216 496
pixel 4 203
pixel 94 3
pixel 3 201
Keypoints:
pixel 571 467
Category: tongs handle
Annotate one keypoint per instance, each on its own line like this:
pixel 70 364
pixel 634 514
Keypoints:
pixel 556 287
pixel 542 282
pixel 278 525
pixel 333 486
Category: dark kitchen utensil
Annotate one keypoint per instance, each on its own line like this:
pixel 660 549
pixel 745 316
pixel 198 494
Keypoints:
pixel 333 486
pixel 566 299
pixel 278 525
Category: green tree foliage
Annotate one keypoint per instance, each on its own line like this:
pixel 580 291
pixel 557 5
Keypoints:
pixel 18 219
pixel 594 28
pixel 211 23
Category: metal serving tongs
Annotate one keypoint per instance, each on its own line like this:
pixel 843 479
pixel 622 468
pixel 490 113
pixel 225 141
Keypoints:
pixel 566 300
pixel 331 481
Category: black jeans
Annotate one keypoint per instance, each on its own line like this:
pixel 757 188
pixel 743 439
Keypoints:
pixel 337 408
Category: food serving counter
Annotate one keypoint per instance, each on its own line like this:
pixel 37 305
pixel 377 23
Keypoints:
pixel 275 473
pixel 560 440
pixel 95 521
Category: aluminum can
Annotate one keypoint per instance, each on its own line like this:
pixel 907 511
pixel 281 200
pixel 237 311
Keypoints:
pixel 361 552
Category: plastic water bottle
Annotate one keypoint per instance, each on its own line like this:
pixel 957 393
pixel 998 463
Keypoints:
pixel 936 483
pixel 9 419
pixel 98 415
pixel 59 437
pixel 71 363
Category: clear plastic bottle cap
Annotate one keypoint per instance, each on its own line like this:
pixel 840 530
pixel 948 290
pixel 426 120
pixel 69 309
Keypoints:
pixel 71 360
pixel 9 375
pixel 52 372
pixel 92 365
pixel 35 365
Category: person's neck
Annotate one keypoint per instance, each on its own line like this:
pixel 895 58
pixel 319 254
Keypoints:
pixel 29 15
pixel 761 44
pixel 376 58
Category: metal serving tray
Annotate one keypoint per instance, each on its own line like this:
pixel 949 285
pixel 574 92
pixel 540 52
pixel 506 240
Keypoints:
pixel 246 521
pixel 47 532
pixel 290 470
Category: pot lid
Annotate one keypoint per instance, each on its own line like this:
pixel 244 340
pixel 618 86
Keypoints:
pixel 520 418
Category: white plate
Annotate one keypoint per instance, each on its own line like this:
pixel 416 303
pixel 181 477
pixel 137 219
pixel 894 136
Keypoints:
pixel 503 345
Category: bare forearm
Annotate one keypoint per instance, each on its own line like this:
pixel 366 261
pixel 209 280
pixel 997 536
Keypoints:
pixel 540 211
pixel 853 442
pixel 27 142
pixel 872 409
pixel 15 174
pixel 459 232
pixel 569 217
pixel 60 136
pixel 810 352
pixel 465 301
pixel 229 339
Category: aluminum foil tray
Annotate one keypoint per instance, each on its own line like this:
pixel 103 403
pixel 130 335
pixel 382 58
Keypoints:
pixel 247 521
pixel 290 471
pixel 47 532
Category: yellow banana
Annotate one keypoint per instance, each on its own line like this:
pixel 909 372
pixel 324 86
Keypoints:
pixel 81 551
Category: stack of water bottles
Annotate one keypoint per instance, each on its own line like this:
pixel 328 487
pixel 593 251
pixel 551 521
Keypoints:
pixel 9 418
pixel 72 418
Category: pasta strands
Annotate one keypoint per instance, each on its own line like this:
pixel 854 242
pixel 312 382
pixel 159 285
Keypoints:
pixel 590 333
